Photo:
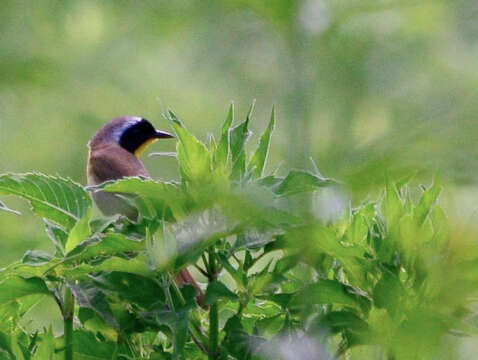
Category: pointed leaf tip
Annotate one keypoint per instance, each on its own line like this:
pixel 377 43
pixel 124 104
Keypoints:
pixel 259 158
pixel 174 118
pixel 427 201
pixel 80 232
pixel 229 119
pixel 251 110
pixel 298 181
pixel 222 152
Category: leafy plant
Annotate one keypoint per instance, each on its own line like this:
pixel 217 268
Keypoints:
pixel 388 274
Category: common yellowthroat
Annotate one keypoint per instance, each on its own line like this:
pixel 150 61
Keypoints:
pixel 114 154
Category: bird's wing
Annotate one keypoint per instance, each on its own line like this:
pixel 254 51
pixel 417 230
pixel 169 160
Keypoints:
pixel 113 162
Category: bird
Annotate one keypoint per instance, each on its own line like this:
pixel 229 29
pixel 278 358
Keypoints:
pixel 114 154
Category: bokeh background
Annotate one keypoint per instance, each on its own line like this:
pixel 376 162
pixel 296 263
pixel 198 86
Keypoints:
pixel 365 88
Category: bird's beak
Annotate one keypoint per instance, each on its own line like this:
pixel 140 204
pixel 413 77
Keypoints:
pixel 163 135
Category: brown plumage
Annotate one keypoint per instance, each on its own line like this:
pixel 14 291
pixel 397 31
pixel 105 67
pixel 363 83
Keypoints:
pixel 113 154
pixel 111 162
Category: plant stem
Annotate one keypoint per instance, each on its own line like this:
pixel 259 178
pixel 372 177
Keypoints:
pixel 166 283
pixel 68 312
pixel 115 352
pixel 205 262
pixel 176 290
pixel 213 311
pixel 201 270
pixel 213 331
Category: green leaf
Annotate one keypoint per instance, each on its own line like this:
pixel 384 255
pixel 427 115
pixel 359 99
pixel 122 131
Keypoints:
pixel 238 138
pixel 392 205
pixel 138 265
pixel 329 292
pixel 222 151
pixel 87 347
pixel 217 290
pixel 103 245
pixel 46 348
pixel 271 182
pixel 357 232
pixel 313 241
pixel 193 156
pixel 259 157
pixel 16 287
pixel 270 326
pixel 164 195
pixel 260 280
pixel 17 349
pixel 5 345
pixel 36 257
pixel 257 206
pixel 59 200
pixel 180 329
pixel 197 232
pixel 57 235
pixel 388 292
pixel 18 269
pixel 102 224
pixel 237 274
pixel 91 321
pixel 286 263
pixel 177 322
pixel 261 309
pixel 404 180
pixel 248 261
pixel 298 181
pixel 253 239
pixel 144 207
pixel 239 166
pixel 34 264
pixel 337 321
pixel 10 312
pixel 128 320
pixel 282 299
pixel 89 296
pixel 137 289
pixel 161 248
pixel 80 232
pixel 212 144
pixel 426 202
pixel 318 238
pixel 237 340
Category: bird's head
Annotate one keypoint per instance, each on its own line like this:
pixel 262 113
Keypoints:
pixel 132 133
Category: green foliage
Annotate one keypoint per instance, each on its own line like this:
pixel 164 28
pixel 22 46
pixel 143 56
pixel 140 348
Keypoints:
pixel 59 200
pixel 258 159
pixel 16 287
pixel 388 274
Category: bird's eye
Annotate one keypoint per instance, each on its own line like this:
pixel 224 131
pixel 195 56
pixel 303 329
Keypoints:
pixel 136 135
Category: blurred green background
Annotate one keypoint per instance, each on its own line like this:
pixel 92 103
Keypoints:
pixel 366 88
